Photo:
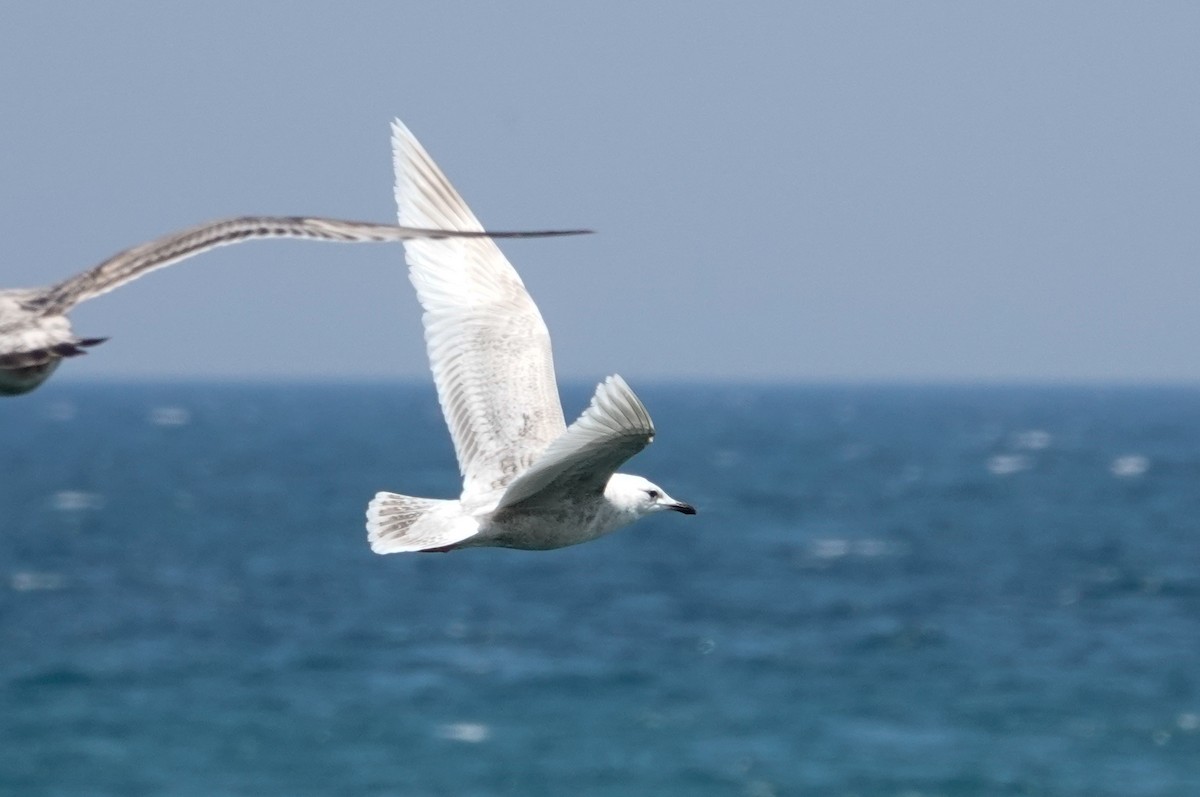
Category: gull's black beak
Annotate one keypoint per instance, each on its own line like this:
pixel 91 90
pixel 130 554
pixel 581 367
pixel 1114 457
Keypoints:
pixel 680 506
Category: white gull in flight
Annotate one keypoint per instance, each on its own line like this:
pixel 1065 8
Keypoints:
pixel 35 334
pixel 529 480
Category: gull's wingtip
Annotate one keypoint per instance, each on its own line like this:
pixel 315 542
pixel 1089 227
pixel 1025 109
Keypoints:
pixel 400 130
pixel 616 397
pixel 536 234
pixel 402 139
pixel 616 380
pixel 425 199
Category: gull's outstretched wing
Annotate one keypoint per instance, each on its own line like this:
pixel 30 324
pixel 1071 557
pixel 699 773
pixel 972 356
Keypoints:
pixel 133 263
pixel 488 346
pixel 35 333
pixel 613 428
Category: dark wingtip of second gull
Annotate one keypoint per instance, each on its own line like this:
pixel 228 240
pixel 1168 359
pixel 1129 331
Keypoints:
pixel 535 234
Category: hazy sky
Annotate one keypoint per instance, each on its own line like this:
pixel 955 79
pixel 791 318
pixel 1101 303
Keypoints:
pixel 790 190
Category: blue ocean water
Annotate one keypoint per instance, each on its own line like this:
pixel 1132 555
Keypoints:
pixel 888 591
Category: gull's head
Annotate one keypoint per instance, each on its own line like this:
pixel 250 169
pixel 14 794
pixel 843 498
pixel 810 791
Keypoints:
pixel 638 496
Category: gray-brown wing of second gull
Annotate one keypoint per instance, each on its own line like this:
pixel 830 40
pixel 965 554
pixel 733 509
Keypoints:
pixel 35 334
pixel 529 480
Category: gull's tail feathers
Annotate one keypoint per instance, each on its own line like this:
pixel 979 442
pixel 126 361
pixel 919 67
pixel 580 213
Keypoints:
pixel 401 524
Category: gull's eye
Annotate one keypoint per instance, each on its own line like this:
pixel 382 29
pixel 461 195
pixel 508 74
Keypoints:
pixel 654 494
